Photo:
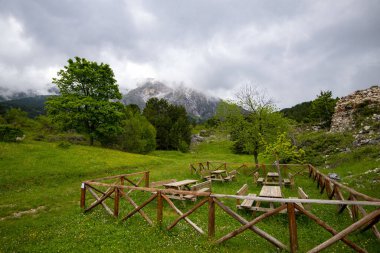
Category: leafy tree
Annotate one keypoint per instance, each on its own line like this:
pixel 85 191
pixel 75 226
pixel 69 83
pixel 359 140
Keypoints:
pixel 139 136
pixel 258 123
pixel 171 123
pixel 283 149
pixel 322 108
pixel 86 101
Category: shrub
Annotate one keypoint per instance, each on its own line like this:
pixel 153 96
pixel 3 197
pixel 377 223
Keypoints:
pixel 9 134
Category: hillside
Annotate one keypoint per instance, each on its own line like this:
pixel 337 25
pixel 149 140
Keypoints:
pixel 40 189
pixel 34 106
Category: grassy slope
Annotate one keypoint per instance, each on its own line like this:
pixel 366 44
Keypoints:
pixel 35 174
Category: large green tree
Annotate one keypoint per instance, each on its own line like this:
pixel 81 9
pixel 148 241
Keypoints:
pixel 86 102
pixel 252 121
pixel 322 108
pixel 171 123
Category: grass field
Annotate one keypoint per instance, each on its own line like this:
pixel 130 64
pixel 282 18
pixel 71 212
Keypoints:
pixel 40 191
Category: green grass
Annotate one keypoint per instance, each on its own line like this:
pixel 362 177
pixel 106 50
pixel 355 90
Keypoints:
pixel 39 174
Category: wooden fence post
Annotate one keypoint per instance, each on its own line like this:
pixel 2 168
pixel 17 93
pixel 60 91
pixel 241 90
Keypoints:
pixel 146 178
pixel 83 196
pixel 292 227
pixel 211 217
pixel 116 202
pixel 122 183
pixel 159 208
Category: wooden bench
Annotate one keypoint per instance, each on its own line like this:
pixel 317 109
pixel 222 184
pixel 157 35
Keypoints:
pixel 289 181
pixel 201 187
pixel 231 175
pixel 161 183
pixel 246 203
pixel 206 174
pixel 303 195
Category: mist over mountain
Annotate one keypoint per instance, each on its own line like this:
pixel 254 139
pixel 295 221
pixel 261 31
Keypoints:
pixel 198 105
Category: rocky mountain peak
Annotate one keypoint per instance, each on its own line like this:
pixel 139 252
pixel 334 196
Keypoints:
pixel 197 104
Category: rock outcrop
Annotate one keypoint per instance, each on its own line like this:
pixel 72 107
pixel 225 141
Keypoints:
pixel 347 108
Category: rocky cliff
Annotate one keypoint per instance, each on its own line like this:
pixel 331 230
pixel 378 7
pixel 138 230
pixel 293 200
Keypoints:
pixel 360 113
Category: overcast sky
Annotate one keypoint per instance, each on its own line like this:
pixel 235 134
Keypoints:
pixel 292 49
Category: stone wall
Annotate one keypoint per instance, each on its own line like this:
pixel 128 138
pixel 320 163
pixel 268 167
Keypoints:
pixel 345 109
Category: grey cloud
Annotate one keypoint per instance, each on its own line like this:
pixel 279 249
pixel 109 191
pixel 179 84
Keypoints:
pixel 292 48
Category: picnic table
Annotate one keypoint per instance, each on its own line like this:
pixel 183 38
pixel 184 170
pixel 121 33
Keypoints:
pixel 268 191
pixel 272 178
pixel 218 175
pixel 180 185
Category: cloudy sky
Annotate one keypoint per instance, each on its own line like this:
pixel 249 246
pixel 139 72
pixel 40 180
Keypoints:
pixel 292 49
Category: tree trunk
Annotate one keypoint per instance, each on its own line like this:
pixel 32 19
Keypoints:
pixel 256 157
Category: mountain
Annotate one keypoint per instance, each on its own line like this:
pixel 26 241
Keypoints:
pixel 34 106
pixel 198 105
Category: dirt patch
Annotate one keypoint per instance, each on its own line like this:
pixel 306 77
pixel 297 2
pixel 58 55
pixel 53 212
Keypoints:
pixel 21 213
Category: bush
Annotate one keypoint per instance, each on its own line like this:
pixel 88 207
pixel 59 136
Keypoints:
pixel 9 134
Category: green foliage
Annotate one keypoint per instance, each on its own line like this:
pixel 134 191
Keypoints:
pixel 363 113
pixel 64 145
pixel 9 134
pixel 171 123
pixel 284 151
pixel 300 112
pixel 18 118
pixel 318 144
pixel 322 108
pixel 85 105
pixel 139 136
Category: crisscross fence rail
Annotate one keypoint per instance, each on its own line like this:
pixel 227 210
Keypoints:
pixel 120 188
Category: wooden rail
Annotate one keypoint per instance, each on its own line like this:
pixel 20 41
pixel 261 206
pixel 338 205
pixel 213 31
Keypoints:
pixel 127 183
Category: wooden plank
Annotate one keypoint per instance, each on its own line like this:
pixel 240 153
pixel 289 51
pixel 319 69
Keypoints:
pixel 99 200
pixel 162 182
pixel 292 228
pixel 249 224
pixel 140 207
pixel 254 229
pixel 102 203
pixel 355 226
pixel 131 182
pixel 171 204
pixel 329 229
pixel 247 203
pixel 211 217
pixel 374 228
pixel 116 176
pixel 187 213
pixel 350 190
pixel 142 213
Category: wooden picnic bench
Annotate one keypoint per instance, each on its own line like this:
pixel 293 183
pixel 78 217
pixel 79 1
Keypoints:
pixel 161 183
pixel 302 195
pixel 179 185
pixel 231 175
pixel 246 203
pixel 200 187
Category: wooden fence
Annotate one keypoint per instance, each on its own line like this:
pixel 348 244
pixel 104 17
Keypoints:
pixel 120 187
pixel 250 168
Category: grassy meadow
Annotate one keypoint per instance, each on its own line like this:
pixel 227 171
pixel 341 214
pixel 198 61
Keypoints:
pixel 40 192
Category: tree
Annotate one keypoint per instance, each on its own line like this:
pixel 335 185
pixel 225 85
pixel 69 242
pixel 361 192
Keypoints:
pixel 283 149
pixel 258 123
pixel 171 123
pixel 86 101
pixel 322 108
pixel 139 136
